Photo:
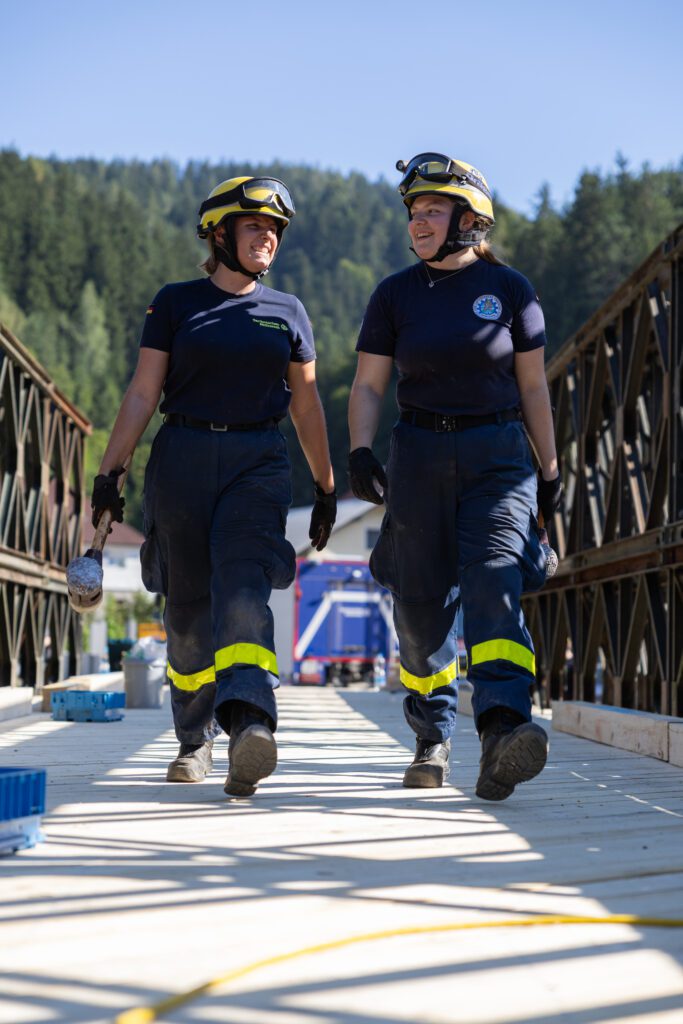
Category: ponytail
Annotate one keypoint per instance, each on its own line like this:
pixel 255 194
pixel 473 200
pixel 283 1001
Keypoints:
pixel 485 252
pixel 210 264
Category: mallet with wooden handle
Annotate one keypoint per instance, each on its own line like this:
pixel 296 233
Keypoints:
pixel 84 574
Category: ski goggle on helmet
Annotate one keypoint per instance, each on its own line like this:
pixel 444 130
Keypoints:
pixel 436 174
pixel 268 196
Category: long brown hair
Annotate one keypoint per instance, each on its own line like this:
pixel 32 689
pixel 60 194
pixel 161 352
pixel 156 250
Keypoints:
pixel 485 252
pixel 210 264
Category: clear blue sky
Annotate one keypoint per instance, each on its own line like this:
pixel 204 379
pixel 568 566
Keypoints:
pixel 527 91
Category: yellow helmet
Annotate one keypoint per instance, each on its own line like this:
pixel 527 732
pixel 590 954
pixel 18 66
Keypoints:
pixel 436 174
pixel 238 196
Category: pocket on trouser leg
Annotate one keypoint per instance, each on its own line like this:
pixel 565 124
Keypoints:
pixel 382 559
pixel 414 563
pixel 153 570
pixel 152 566
pixel 283 564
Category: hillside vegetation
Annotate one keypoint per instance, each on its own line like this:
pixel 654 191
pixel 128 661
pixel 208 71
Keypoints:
pixel 84 245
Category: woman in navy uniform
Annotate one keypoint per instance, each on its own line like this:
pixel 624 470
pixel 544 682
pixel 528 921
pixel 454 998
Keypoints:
pixel 467 336
pixel 231 357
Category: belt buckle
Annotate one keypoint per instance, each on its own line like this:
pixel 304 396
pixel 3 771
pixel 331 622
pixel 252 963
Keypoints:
pixel 445 424
pixel 219 428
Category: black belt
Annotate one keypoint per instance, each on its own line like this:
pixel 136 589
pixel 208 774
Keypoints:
pixel 176 419
pixel 442 424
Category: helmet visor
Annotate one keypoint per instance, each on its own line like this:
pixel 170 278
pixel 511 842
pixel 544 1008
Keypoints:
pixel 438 168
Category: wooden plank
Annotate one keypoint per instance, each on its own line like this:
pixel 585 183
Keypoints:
pixel 676 743
pixel 98 682
pixel 15 702
pixel 637 731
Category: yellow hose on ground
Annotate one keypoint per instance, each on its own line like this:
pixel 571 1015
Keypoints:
pixel 145 1014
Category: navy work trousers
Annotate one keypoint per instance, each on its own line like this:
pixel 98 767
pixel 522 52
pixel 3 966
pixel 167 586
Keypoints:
pixel 215 511
pixel 460 530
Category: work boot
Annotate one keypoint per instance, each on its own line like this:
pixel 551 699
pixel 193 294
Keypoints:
pixel 512 751
pixel 193 763
pixel 252 751
pixel 430 765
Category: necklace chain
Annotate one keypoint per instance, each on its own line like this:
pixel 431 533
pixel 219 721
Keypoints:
pixel 438 280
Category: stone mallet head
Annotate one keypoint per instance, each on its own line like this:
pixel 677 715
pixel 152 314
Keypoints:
pixel 551 559
pixel 84 574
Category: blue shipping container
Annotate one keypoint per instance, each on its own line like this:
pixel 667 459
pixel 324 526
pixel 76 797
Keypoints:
pixel 343 623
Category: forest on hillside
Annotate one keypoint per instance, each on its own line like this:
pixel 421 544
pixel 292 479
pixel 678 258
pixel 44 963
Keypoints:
pixel 85 245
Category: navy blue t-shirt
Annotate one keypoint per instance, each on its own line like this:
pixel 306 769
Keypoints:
pixel 229 354
pixel 454 343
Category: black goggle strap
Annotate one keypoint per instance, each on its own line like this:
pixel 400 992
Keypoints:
pixel 451 171
pixel 278 196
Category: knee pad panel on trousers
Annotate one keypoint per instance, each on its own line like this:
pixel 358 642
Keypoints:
pixel 490 593
pixel 190 638
pixel 267 547
pixel 493 622
pixel 242 602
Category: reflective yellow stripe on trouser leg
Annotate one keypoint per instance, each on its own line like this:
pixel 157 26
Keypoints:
pixel 427 684
pixel 193 681
pixel 235 654
pixel 504 650
pixel 246 654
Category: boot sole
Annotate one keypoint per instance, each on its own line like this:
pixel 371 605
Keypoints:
pixel 185 773
pixel 424 776
pixel 253 758
pixel 518 757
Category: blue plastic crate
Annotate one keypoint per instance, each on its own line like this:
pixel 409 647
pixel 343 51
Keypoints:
pixel 80 706
pixel 22 801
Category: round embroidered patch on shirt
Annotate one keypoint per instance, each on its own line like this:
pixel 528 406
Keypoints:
pixel 488 307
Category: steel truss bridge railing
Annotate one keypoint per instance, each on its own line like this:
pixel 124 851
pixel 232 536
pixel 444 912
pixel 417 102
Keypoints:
pixel 609 626
pixel 42 439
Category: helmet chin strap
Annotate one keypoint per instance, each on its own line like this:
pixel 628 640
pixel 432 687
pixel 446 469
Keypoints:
pixel 227 253
pixel 455 240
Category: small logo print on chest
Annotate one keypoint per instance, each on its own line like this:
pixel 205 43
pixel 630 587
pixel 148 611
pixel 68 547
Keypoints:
pixel 269 323
pixel 488 307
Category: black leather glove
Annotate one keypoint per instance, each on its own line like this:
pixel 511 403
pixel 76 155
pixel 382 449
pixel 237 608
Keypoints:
pixel 549 496
pixel 322 518
pixel 364 469
pixel 105 494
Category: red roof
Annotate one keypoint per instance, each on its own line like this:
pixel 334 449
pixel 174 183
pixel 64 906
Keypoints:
pixel 122 534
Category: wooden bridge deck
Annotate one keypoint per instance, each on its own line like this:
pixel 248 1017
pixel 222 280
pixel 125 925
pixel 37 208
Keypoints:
pixel 142 889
